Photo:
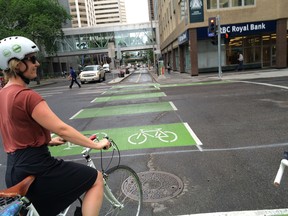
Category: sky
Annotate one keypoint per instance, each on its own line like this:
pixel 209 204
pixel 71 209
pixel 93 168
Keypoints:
pixel 137 11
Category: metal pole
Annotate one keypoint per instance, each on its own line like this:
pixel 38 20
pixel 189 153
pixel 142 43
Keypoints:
pixel 219 46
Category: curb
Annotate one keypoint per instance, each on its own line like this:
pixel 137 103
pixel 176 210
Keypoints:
pixel 118 79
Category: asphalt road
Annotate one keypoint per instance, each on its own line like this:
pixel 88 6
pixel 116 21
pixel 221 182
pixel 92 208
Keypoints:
pixel 242 131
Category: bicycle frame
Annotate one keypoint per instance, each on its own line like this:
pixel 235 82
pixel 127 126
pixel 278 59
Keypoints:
pixel 32 211
pixel 107 192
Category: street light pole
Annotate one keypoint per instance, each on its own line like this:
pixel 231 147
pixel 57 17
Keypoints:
pixel 219 46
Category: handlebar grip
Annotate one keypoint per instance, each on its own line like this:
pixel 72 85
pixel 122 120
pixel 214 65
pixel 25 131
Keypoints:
pixel 93 137
pixel 283 164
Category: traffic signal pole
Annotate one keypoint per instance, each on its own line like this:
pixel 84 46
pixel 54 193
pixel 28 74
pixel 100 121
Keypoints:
pixel 219 46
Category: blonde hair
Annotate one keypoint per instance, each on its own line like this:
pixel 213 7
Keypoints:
pixel 11 71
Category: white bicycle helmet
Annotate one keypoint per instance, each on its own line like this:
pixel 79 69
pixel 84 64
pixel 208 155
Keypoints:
pixel 15 47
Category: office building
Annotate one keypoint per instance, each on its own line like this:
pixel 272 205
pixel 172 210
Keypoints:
pixel 256 28
pixel 87 13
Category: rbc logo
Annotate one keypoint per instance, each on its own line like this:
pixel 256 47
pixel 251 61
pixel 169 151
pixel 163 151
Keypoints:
pixel 225 29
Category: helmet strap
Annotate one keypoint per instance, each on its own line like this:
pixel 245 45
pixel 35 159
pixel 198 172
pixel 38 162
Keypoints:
pixel 20 74
pixel 25 79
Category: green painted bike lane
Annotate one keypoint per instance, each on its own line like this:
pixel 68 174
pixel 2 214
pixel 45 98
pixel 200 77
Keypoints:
pixel 140 137
pixel 124 110
pixel 129 97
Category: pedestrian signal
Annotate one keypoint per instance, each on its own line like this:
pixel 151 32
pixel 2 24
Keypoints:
pixel 212 26
pixel 227 38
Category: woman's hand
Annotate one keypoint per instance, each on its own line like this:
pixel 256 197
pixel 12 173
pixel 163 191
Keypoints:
pixel 104 144
pixel 57 141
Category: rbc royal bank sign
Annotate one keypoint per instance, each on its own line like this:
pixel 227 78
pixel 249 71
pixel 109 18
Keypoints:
pixel 239 29
pixel 242 29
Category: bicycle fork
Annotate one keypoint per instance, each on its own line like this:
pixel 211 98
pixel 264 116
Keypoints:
pixel 109 195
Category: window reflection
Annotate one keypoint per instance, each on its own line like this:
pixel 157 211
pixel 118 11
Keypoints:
pixel 253 48
pixel 215 4
pixel 131 38
pixel 223 3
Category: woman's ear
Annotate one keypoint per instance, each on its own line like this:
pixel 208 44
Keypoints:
pixel 19 65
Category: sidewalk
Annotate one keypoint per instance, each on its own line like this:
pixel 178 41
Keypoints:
pixel 177 77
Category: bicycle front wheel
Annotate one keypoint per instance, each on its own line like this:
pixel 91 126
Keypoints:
pixel 123 192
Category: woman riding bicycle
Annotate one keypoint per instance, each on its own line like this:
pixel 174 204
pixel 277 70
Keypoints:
pixel 26 122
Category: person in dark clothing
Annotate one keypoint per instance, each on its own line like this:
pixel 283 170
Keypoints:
pixel 169 67
pixel 73 77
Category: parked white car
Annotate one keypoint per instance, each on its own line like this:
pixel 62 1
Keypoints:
pixel 106 68
pixel 92 73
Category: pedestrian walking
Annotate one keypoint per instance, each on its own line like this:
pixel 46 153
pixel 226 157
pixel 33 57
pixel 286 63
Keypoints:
pixel 73 77
pixel 168 67
pixel 240 62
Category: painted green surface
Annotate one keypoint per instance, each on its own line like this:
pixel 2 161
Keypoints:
pixel 126 90
pixel 134 86
pixel 124 110
pixel 130 97
pixel 195 83
pixel 121 137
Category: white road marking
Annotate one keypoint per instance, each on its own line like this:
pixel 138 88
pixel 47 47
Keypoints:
pixel 173 106
pixel 265 84
pixel 197 140
pixel 139 77
pixel 76 114
pixel 266 212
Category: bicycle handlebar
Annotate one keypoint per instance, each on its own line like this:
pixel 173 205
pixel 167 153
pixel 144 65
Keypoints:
pixel 283 164
pixel 94 137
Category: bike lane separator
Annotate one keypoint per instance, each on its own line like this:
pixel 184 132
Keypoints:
pixel 124 110
pixel 140 137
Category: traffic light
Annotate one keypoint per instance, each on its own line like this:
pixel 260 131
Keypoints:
pixel 212 26
pixel 214 40
pixel 227 38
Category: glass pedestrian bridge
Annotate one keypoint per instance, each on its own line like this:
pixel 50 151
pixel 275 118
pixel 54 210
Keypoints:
pixel 107 39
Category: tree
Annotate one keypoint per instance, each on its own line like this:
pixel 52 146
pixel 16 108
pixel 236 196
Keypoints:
pixel 39 20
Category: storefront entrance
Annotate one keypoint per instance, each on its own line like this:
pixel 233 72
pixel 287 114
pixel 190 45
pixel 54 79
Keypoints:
pixel 268 56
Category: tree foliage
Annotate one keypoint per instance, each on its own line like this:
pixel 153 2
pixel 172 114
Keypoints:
pixel 39 20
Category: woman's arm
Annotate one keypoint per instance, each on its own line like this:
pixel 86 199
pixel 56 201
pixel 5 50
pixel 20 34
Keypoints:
pixel 43 115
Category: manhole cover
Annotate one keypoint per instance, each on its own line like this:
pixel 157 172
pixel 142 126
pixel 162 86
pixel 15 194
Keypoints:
pixel 157 186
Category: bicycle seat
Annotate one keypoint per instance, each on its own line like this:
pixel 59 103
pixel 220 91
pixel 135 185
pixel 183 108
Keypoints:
pixel 19 189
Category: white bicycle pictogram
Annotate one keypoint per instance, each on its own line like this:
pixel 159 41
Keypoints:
pixel 141 137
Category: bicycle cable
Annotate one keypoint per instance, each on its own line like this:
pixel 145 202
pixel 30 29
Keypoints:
pixel 115 147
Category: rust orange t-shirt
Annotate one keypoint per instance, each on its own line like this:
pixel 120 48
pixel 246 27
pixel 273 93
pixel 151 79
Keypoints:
pixel 18 129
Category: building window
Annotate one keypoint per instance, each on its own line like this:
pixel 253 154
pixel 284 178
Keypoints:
pixel 249 2
pixel 212 4
pixel 218 4
pixel 183 9
pixel 223 3
pixel 236 3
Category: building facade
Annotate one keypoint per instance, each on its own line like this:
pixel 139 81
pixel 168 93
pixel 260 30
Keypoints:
pixel 110 11
pixel 256 28
pixel 82 13
pixel 86 13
